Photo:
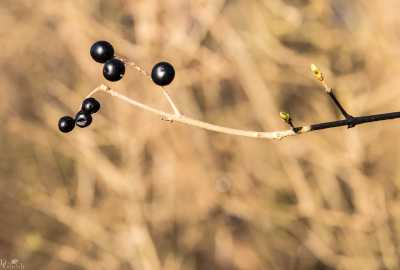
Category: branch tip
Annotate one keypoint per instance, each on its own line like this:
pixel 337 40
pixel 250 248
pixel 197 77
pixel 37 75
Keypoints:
pixel 317 73
pixel 285 116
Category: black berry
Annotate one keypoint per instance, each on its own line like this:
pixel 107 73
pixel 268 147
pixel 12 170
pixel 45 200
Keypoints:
pixel 90 105
pixel 83 119
pixel 66 124
pixel 114 70
pixel 101 51
pixel 163 73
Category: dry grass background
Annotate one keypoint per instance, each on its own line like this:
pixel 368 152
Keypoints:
pixel 135 192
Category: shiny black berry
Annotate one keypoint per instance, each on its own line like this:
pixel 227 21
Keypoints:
pixel 114 70
pixel 83 119
pixel 90 105
pixel 101 51
pixel 163 73
pixel 66 124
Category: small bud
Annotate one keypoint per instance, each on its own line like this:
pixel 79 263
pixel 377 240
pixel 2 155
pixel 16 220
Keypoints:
pixel 285 116
pixel 317 72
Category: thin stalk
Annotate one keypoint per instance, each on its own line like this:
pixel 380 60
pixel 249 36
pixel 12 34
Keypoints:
pixel 339 106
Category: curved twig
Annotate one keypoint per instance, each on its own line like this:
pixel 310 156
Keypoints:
pixel 246 133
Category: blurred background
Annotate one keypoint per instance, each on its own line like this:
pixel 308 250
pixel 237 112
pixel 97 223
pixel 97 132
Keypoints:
pixel 134 192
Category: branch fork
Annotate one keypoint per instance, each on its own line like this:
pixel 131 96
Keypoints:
pixel 144 72
pixel 320 77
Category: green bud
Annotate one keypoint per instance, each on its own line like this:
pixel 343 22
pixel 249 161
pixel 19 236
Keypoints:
pixel 285 116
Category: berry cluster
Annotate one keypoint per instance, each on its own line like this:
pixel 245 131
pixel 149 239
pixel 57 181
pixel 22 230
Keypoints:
pixel 82 119
pixel 103 52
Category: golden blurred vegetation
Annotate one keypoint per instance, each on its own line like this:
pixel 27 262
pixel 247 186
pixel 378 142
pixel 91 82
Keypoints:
pixel 134 192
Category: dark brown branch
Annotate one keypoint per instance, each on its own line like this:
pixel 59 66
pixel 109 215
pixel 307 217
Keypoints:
pixel 352 121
